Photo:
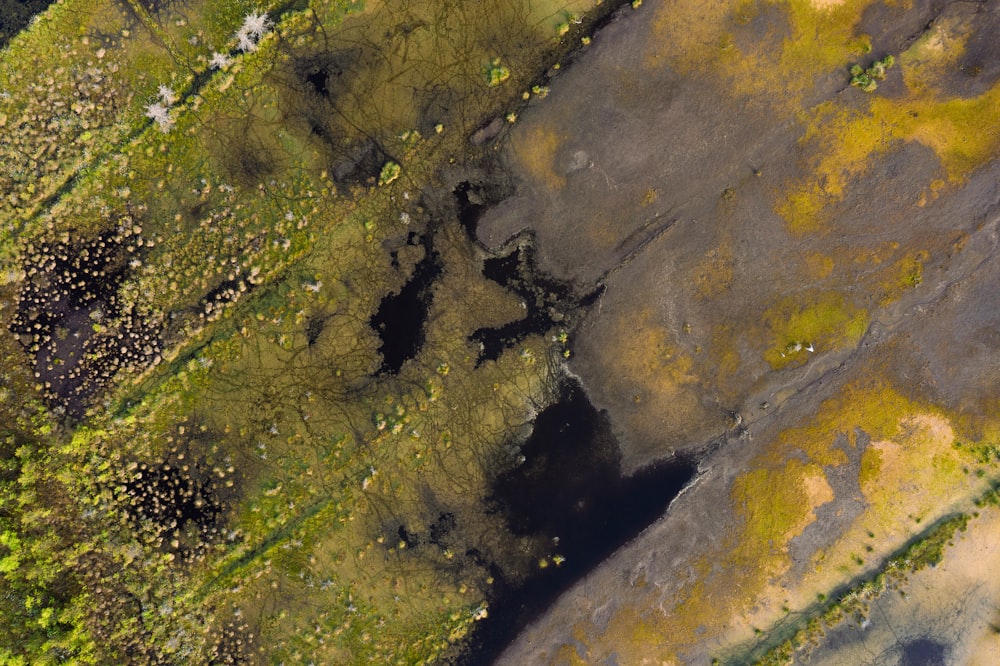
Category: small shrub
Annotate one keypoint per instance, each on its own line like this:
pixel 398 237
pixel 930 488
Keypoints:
pixel 390 172
pixel 497 73
pixel 867 79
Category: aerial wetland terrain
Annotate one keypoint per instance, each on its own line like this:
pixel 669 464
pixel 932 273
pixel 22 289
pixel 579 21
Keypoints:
pixel 500 332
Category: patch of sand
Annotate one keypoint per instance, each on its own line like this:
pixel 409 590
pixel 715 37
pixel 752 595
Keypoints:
pixel 818 492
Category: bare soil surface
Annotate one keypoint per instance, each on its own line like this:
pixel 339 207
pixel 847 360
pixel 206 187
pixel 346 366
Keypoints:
pixel 662 189
pixel 948 615
pixel 665 189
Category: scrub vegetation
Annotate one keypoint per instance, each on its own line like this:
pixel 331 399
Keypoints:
pixel 853 603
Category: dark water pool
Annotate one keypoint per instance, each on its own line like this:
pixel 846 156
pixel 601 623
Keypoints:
pixel 569 488
pixel 399 320
pixel 923 652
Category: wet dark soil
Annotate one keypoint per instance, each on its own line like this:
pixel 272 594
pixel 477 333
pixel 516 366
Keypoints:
pixel 569 491
pixel 317 86
pixel 164 495
pixel 474 199
pixel 896 27
pixel 981 61
pixel 15 16
pixel 923 652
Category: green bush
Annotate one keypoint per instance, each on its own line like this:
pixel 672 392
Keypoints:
pixel 867 79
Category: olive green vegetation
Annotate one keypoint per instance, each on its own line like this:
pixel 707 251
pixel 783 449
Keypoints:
pixel 246 486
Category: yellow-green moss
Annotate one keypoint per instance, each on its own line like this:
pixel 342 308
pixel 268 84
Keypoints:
pixel 960 130
pixel 323 483
pixel 905 274
pixel 824 321
pixel 774 506
pixel 871 465
pixel 934 56
pixel 874 407
pixel 844 142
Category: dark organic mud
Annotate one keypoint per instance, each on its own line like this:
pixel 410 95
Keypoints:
pixel 70 320
pixel 924 652
pixel 548 302
pixel 16 14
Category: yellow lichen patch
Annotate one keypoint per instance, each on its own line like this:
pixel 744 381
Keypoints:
pixel 876 408
pixel 920 461
pixel 776 499
pixel 908 473
pixel 636 637
pixel 803 208
pixel 931 192
pixel 842 142
pixel 568 655
pixel 687 34
pixel 905 274
pixel 726 359
pixel 823 36
pixel 661 370
pixel 818 491
pixel 922 438
pixel 907 477
pixel 536 149
pixel 820 37
pixel 845 142
pixel 714 274
pixel 819 266
pixel 960 130
pixel 776 504
pixel 799 327
pixel 704 36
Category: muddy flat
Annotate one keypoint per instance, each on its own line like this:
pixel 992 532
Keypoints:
pixel 797 276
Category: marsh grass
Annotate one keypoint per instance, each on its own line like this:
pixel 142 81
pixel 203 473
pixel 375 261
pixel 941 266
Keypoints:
pixel 255 491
